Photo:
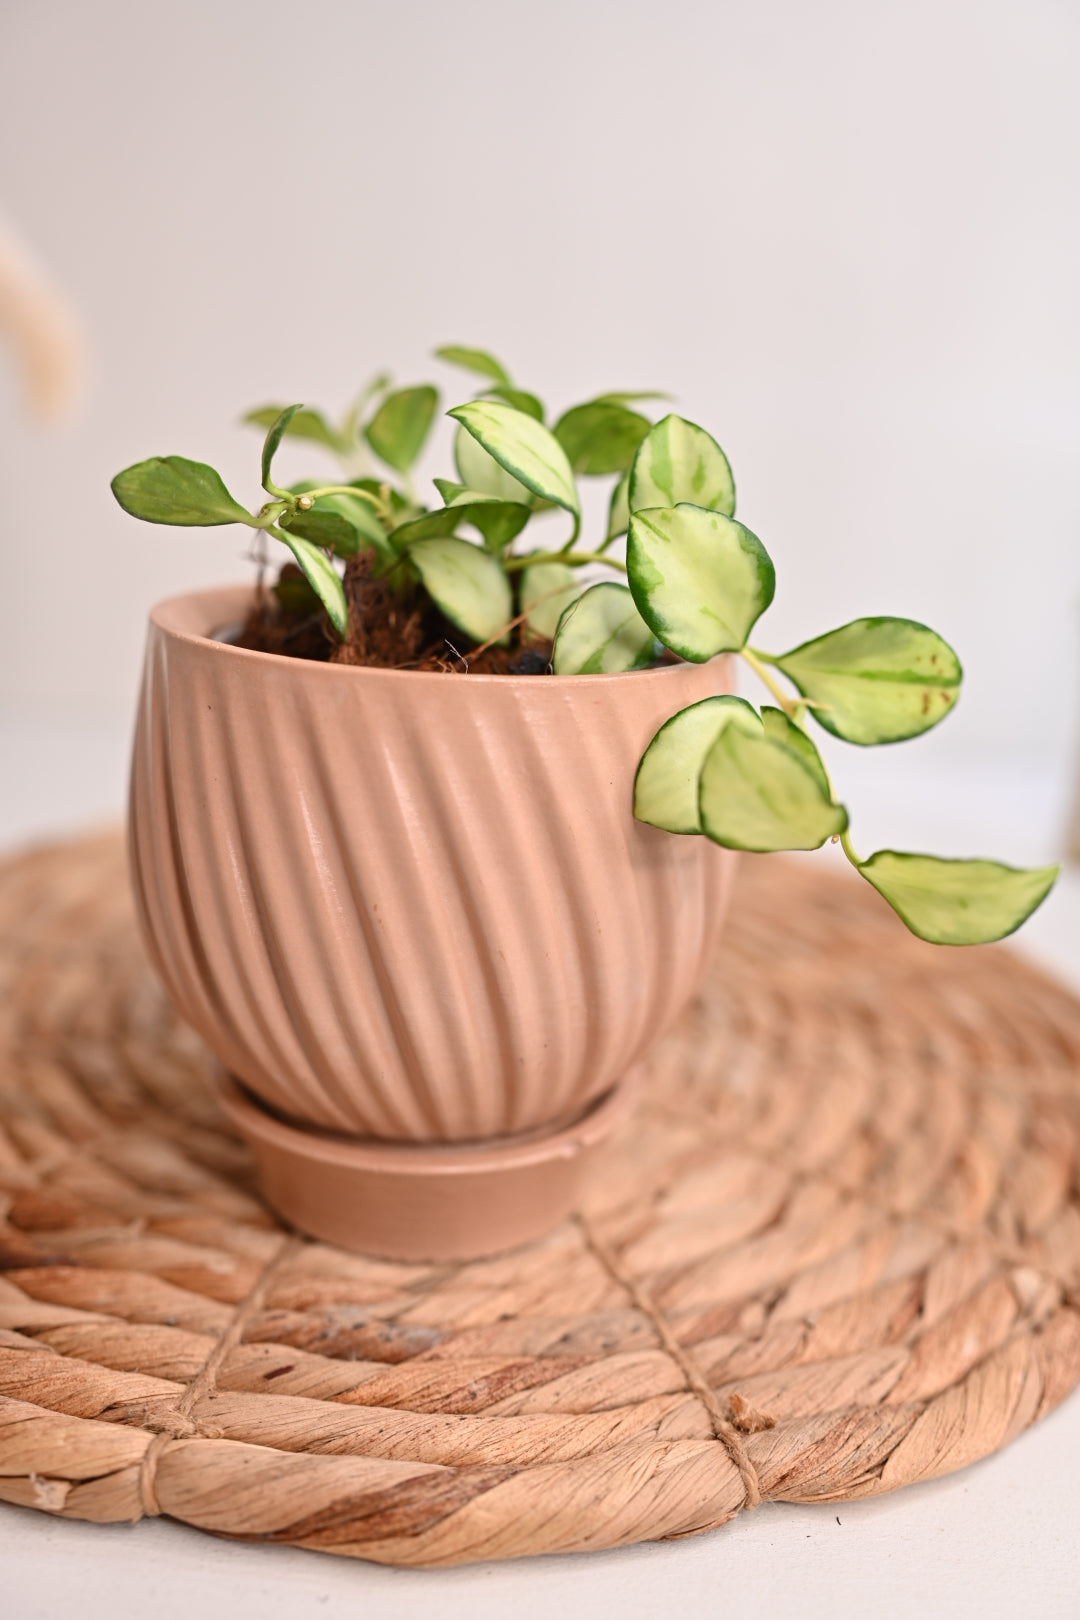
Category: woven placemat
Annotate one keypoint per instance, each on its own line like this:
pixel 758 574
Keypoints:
pixel 836 1250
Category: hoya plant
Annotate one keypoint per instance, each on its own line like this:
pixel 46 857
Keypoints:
pixel 692 585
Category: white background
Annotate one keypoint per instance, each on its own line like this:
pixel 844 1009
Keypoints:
pixel 845 235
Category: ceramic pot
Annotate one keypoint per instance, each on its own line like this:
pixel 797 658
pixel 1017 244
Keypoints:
pixel 414 918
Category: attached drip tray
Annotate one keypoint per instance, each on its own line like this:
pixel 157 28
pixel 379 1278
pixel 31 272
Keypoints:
pixel 406 1201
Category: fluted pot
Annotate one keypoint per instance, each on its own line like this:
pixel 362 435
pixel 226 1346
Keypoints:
pixel 413 916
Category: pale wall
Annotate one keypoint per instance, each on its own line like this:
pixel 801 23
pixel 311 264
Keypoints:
pixel 845 235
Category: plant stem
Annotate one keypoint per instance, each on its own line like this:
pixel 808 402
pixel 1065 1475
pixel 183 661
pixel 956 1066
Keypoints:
pixel 269 515
pixel 794 708
pixel 579 559
pixel 849 849
pixel 757 661
pixel 569 546
pixel 380 506
pixel 571 559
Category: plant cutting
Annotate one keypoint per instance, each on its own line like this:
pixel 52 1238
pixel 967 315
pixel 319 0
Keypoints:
pixel 428 923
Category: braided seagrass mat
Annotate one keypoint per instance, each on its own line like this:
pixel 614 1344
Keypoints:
pixel 836 1250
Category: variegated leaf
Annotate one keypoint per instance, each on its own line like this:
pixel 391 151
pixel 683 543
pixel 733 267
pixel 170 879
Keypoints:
pixel 700 579
pixel 479 471
pixel 678 461
pixel 876 680
pixel 666 788
pixel 602 633
pixel 547 589
pixel 952 902
pixel 523 447
pixel 322 576
pixel 779 728
pixel 758 794
pixel 467 583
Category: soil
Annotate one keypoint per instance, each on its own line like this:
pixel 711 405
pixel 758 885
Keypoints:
pixel 385 630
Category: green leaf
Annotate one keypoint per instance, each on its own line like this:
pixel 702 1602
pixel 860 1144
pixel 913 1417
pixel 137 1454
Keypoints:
pixel 306 424
pixel 677 462
pixel 619 511
pixel 448 488
pixel 378 486
pixel 523 448
pixel 371 390
pixel 602 633
pixel 477 361
pixel 277 430
pixel 666 787
pixel 399 427
pixel 547 590
pixel 601 437
pixel 321 575
pixel 700 579
pixel 498 521
pixel 356 512
pixel 466 583
pixel 170 489
pixel 778 728
pixel 957 902
pixel 631 397
pixel 521 400
pixel 758 794
pixel 881 680
pixel 327 529
pixel 482 472
pixel 296 596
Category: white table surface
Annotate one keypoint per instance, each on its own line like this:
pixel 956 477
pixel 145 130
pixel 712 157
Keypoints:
pixel 1000 1539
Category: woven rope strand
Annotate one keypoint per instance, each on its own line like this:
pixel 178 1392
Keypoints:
pixel 872 1332
pixel 696 1382
pixel 204 1381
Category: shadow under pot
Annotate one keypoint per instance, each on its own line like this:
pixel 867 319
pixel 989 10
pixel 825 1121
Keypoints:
pixel 414 919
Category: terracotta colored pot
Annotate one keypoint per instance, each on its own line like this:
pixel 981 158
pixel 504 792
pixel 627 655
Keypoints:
pixel 411 909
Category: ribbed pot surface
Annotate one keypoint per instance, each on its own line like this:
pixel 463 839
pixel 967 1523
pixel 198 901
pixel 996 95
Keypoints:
pixel 411 906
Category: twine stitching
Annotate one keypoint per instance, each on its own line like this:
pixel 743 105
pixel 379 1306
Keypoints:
pixel 203 1384
pixel 695 1380
pixel 952 1227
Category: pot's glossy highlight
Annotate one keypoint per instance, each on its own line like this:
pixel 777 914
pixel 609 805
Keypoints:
pixel 411 907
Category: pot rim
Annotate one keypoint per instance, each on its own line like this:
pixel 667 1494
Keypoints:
pixel 168 616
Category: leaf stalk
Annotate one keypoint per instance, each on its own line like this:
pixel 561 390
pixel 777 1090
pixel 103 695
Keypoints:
pixel 757 662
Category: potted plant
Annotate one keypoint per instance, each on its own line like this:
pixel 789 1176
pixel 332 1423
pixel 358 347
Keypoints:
pixel 435 841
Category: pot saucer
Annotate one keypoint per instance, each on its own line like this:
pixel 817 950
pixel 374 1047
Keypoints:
pixel 406 1201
